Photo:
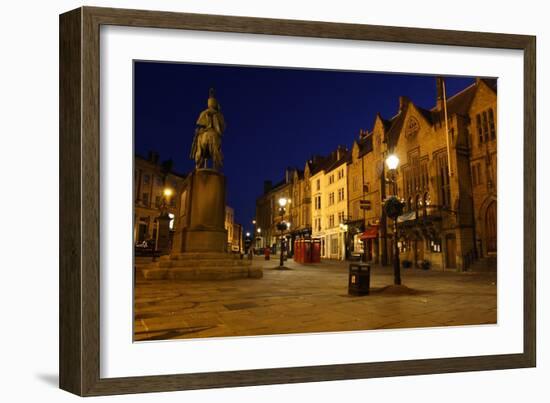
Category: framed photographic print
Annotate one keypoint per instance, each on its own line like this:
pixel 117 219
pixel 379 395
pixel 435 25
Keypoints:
pixel 249 201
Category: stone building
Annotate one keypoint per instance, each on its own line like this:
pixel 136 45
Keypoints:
pixel 449 189
pixel 151 178
pixel 317 205
pixel 234 231
pixel 268 213
pixel 330 203
pixel 365 195
pixel 237 245
pixel 229 222
pixel 446 179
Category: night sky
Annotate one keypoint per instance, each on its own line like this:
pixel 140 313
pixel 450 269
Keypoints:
pixel 276 117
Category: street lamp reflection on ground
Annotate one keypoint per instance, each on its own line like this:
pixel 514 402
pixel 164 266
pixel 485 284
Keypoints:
pixel 394 208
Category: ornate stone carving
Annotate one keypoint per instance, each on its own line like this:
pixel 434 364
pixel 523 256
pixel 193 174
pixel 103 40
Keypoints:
pixel 412 127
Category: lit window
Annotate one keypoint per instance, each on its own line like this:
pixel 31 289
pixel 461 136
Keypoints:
pixel 479 129
pixel 492 124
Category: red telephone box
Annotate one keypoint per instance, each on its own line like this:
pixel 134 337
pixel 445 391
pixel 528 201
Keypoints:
pixel 307 250
pixel 298 251
pixel 315 251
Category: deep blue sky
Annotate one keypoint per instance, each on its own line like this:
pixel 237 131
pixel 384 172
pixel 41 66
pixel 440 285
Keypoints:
pixel 276 117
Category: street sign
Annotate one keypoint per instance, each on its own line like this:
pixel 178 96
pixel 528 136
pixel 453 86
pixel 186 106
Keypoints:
pixel 364 204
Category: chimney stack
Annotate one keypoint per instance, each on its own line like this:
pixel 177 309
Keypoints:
pixel 340 152
pixel 267 186
pixel 154 157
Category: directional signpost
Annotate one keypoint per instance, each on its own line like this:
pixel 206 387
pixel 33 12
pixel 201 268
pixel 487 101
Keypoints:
pixel 364 204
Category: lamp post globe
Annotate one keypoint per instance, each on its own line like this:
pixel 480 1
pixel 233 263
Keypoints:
pixel 392 161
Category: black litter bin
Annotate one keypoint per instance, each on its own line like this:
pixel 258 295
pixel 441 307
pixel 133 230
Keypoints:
pixel 359 279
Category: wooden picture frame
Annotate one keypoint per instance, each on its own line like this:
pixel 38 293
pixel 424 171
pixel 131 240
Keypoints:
pixel 79 201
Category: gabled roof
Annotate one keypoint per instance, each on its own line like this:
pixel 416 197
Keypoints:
pixel 460 103
pixel 336 162
pixel 365 145
pixel 392 134
pixel 316 164
pixel 457 104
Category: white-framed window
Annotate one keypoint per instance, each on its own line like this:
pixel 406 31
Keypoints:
pixel 317 202
pixel 341 217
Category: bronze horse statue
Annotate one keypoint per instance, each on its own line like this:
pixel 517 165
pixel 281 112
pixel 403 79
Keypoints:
pixel 207 143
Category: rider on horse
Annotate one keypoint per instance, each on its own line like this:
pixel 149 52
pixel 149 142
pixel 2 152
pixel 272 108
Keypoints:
pixel 208 133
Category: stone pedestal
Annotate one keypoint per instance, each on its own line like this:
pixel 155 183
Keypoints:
pixel 201 224
pixel 200 242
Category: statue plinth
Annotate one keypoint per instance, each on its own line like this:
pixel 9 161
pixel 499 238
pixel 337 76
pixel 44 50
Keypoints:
pixel 200 243
pixel 201 224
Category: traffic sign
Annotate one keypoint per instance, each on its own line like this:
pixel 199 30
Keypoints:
pixel 364 204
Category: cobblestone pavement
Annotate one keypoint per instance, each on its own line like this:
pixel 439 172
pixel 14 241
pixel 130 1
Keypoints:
pixel 308 299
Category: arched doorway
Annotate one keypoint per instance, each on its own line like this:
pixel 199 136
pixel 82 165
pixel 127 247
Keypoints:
pixel 491 227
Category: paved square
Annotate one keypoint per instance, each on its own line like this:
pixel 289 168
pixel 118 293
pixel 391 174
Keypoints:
pixel 309 299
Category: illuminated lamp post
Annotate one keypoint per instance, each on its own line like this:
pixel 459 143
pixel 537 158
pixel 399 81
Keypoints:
pixel 393 208
pixel 162 242
pixel 282 226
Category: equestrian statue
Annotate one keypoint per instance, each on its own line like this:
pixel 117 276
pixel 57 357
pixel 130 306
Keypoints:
pixel 207 143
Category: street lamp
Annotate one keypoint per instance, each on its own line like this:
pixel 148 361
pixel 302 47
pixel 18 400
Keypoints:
pixel 282 226
pixel 393 208
pixel 162 241
pixel 344 228
pixel 253 243
pixel 392 161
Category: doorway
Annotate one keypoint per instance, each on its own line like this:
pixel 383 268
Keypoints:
pixel 450 251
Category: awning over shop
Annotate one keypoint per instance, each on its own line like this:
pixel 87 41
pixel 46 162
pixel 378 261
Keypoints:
pixel 370 233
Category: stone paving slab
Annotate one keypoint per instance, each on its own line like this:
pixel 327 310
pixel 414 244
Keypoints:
pixel 309 299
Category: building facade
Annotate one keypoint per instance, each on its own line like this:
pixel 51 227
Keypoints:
pixel 330 197
pixel 269 215
pixel 446 179
pixel 234 231
pixel 151 178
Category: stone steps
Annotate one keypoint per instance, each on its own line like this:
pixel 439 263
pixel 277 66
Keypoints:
pixel 203 256
pixel 202 273
pixel 200 263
